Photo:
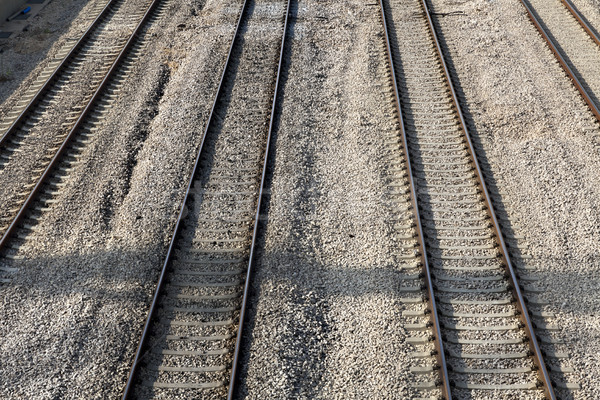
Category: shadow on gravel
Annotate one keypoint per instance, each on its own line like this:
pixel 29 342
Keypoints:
pixel 92 314
pixel 83 311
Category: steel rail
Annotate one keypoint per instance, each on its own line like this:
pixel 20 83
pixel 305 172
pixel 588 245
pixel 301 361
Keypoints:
pixel 434 319
pixel 50 81
pixel 582 21
pixel 72 133
pixel 524 316
pixel 238 342
pixel 563 62
pixel 182 211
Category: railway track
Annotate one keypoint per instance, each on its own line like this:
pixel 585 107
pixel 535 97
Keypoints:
pixel 574 42
pixel 60 102
pixel 474 318
pixel 51 172
pixel 190 342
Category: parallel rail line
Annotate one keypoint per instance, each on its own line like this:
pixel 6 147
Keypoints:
pixel 483 332
pixel 584 78
pixel 191 340
pixel 26 105
pixel 43 192
pixel 36 101
pixel 582 21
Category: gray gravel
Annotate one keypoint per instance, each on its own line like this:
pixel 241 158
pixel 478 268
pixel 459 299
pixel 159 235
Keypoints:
pixel 25 55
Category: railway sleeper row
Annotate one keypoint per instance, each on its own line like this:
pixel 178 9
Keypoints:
pixel 517 246
pixel 53 175
pixel 63 65
pixel 29 118
pixel 188 347
pixel 476 316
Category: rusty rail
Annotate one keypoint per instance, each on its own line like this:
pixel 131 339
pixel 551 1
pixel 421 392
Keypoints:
pixel 582 21
pixel 434 319
pixel 524 316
